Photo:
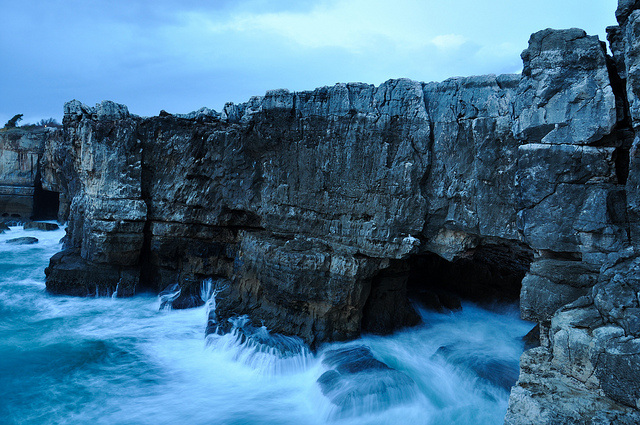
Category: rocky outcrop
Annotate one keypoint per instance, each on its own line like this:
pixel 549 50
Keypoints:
pixel 20 189
pixel 571 196
pixel 318 212
pixel 259 197
pixel 582 285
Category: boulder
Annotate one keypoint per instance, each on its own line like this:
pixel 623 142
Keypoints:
pixel 565 95
pixel 26 240
pixel 357 380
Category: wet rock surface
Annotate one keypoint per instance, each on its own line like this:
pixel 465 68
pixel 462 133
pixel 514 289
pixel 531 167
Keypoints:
pixel 356 378
pixel 27 240
pixel 500 373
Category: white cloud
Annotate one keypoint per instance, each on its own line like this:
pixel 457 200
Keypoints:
pixel 190 53
pixel 349 24
pixel 448 41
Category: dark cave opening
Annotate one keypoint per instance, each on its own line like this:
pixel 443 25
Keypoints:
pixel 46 203
pixel 388 307
pixel 485 275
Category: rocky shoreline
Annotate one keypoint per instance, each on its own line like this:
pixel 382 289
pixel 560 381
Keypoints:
pixel 318 212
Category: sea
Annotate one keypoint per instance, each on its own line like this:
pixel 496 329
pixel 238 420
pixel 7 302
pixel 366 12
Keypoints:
pixel 109 360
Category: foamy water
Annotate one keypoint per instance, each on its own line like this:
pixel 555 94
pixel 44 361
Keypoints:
pixel 66 360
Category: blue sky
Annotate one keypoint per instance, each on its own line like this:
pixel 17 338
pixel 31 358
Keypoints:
pixel 182 55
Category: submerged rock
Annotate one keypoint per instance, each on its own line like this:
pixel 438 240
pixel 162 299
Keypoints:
pixel 175 297
pixel 27 240
pixel 357 379
pixel 498 372
pixel 257 337
pixel 168 295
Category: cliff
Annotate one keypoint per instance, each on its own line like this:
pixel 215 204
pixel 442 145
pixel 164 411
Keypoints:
pixel 21 192
pixel 317 212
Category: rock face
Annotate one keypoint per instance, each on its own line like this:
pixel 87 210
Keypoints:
pixel 582 286
pixel 20 154
pixel 317 212
pixel 310 203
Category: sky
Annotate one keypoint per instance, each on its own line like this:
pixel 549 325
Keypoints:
pixel 181 55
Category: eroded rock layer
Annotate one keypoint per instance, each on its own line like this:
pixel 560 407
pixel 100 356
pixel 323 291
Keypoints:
pixel 316 212
pixel 21 194
pixel 299 199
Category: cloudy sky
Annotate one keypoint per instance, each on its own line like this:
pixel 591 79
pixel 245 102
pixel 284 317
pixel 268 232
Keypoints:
pixel 180 55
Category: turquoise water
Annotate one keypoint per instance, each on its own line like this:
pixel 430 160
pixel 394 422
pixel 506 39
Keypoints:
pixel 66 360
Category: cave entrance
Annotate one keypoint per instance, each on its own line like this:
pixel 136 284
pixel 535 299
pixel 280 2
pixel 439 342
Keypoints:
pixel 46 203
pixel 486 274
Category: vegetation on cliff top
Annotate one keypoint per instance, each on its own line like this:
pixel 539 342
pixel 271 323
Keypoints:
pixel 43 123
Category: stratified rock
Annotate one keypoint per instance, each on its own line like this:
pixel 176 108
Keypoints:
pixel 565 95
pixel 259 196
pixel 26 240
pixel 576 212
pixel 470 135
pixel 544 396
pixel 562 189
pixel 553 283
pixel 20 151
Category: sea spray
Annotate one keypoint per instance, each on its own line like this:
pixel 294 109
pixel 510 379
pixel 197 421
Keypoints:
pixel 119 361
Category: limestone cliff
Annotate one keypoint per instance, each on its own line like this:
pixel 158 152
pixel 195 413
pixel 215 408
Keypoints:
pixel 316 212
pixel 21 192
pixel 299 199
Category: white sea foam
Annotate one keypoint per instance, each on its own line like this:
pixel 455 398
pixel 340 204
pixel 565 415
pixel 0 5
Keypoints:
pixel 123 361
